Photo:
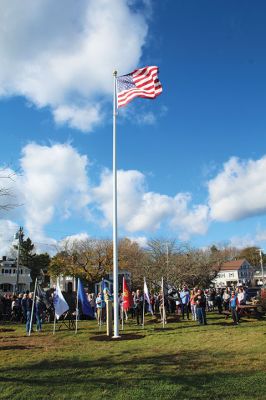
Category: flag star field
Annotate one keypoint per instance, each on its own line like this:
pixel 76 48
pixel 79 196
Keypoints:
pixel 191 148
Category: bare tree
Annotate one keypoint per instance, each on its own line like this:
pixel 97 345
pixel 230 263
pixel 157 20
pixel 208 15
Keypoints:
pixel 5 191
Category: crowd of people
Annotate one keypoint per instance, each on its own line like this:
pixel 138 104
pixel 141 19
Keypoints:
pixel 181 304
pixel 18 308
pixel 191 304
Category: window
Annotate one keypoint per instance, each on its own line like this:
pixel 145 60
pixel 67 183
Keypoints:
pixel 231 274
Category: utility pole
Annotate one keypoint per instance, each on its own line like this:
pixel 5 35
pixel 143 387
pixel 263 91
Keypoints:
pixel 19 236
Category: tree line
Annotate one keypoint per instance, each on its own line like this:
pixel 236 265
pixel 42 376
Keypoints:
pixel 92 259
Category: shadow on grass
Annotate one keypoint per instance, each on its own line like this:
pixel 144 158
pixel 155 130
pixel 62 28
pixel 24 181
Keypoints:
pixel 187 373
pixel 7 330
pixel 19 347
pixel 161 328
pixel 124 336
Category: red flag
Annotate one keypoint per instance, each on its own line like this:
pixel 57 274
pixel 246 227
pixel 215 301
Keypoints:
pixel 127 296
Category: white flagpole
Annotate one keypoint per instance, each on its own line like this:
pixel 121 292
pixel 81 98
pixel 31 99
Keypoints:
pixel 115 252
pixel 77 306
pixel 163 304
pixel 143 308
pixel 32 307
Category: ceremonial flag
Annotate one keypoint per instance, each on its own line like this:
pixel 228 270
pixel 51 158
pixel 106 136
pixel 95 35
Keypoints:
pixel 85 304
pixel 142 82
pixel 42 296
pixel 146 295
pixel 127 296
pixel 60 304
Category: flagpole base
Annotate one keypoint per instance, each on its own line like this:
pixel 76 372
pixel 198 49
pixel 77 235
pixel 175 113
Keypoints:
pixel 116 337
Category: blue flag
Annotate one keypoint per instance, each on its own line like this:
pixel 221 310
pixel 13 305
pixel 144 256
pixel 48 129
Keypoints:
pixel 86 307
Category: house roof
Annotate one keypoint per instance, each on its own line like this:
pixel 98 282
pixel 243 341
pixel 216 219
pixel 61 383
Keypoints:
pixel 232 265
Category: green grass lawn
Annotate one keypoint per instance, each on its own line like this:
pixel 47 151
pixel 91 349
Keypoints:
pixel 183 361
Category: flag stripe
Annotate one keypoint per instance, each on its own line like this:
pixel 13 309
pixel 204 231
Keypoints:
pixel 136 93
pixel 147 93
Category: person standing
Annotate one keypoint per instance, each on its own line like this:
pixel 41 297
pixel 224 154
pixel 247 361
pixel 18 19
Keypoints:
pixel 193 304
pixel 138 305
pixel 200 300
pixel 28 309
pixel 185 298
pixel 242 298
pixel 226 299
pixel 99 308
pixel 38 313
pixel 234 302
pixel 219 301
pixel 91 300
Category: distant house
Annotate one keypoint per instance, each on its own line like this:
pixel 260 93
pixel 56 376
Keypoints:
pixel 67 283
pixel 259 277
pixel 108 281
pixel 233 273
pixel 8 276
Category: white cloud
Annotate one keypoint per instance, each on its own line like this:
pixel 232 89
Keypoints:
pixel 72 240
pixel 142 241
pixel 83 119
pixel 140 210
pixel 194 221
pixel 62 54
pixel 54 185
pixel 239 191
pixel 257 239
pixel 54 182
pixel 141 115
pixel 7 231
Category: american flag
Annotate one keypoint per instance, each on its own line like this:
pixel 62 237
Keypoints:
pixel 142 82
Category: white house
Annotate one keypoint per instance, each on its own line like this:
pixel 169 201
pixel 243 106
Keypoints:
pixel 259 277
pixel 67 283
pixel 233 273
pixel 8 276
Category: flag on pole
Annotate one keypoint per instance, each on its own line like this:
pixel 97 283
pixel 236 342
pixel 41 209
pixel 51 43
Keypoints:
pixel 127 296
pixel 86 307
pixel 42 296
pixel 146 295
pixel 60 304
pixel 143 82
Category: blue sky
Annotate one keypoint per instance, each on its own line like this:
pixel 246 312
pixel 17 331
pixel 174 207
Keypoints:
pixel 191 163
